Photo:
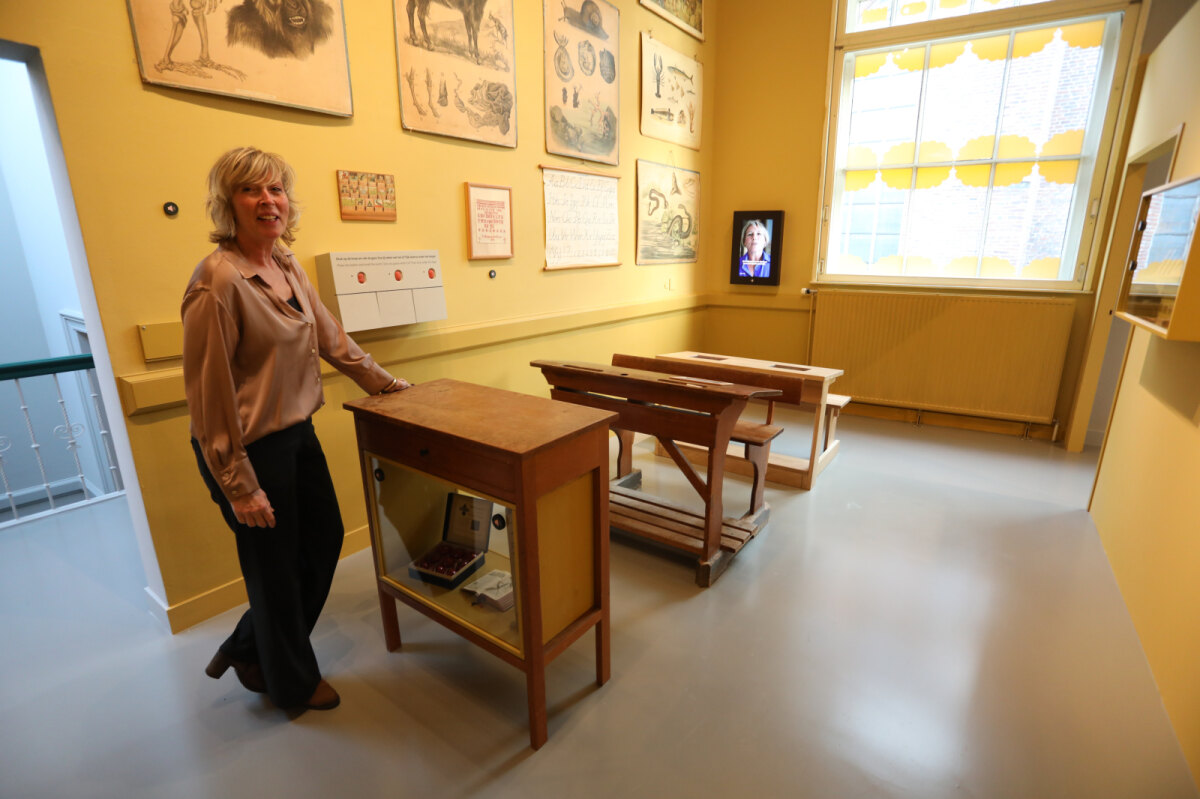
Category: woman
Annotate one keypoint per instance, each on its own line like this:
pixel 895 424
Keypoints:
pixel 756 250
pixel 253 328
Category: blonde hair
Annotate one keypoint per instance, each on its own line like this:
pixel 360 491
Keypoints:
pixel 761 226
pixel 247 166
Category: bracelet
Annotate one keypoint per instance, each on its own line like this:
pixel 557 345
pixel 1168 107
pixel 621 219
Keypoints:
pixel 395 382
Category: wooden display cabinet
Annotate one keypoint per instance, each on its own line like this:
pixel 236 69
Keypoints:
pixel 543 466
pixel 1161 290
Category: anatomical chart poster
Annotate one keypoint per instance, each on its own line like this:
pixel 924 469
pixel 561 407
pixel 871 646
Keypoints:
pixel 286 52
pixel 582 90
pixel 458 69
pixel 672 88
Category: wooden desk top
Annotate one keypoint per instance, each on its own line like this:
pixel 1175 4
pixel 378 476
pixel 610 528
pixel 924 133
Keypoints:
pixel 640 384
pixel 778 368
pixel 519 424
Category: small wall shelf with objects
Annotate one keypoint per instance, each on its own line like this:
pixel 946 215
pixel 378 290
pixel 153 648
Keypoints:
pixel 1161 290
pixel 489 514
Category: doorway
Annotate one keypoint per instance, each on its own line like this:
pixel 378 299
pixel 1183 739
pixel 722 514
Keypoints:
pixel 1146 170
pixel 61 429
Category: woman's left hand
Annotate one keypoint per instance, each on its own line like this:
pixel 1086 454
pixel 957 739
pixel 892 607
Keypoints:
pixel 397 384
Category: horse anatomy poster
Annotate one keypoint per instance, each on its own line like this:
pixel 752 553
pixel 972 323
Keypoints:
pixel 668 214
pixel 582 91
pixel 287 52
pixel 457 69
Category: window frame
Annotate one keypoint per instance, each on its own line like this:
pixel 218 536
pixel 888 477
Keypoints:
pixel 1082 229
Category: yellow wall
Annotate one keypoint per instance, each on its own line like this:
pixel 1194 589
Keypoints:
pixel 1146 505
pixel 131 147
pixel 770 133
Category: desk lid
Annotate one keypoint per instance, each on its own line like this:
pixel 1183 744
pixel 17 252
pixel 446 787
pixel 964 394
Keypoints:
pixel 732 364
pixel 505 420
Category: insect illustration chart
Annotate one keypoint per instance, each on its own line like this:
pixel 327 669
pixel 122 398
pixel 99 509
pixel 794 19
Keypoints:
pixel 582 91
pixel 672 89
pixel 457 69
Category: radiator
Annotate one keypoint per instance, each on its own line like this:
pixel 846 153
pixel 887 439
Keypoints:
pixel 999 357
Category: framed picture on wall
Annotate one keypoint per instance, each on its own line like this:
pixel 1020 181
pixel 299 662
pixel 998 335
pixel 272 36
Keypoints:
pixel 583 96
pixel 672 94
pixel 457 63
pixel 668 214
pixel 685 14
pixel 757 248
pixel 254 49
pixel 489 222
pixel 367 195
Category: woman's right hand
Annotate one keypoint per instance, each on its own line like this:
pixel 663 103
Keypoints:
pixel 254 510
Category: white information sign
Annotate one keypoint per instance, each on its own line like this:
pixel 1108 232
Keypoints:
pixel 384 289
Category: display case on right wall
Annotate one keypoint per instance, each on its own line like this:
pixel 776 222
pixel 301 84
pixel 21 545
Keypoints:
pixel 1161 290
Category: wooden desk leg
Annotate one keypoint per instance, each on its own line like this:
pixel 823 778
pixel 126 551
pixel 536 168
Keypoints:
pixel 535 688
pixel 831 416
pixel 712 560
pixel 818 443
pixel 391 624
pixel 603 651
pixel 624 452
pixel 757 455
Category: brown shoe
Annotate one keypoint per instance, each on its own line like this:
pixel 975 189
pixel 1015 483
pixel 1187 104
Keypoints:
pixel 248 674
pixel 324 698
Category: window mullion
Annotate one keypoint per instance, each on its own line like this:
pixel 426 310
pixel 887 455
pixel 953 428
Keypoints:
pixel 987 198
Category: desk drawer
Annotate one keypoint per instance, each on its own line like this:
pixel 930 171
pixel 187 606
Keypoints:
pixel 451 460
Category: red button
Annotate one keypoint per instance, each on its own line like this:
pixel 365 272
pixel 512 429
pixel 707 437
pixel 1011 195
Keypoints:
pixel 399 275
pixel 362 277
pixel 431 272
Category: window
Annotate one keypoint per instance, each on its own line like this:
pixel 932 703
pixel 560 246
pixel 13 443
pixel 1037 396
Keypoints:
pixel 871 14
pixel 970 159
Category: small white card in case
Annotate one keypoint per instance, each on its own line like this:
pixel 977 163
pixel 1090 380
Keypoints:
pixel 494 588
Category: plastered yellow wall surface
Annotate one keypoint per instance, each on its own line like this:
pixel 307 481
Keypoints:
pixel 1146 505
pixel 771 85
pixel 130 147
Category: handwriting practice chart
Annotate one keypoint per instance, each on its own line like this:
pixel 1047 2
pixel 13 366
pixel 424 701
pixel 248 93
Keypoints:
pixel 582 228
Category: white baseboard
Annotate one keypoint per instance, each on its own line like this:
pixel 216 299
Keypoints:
pixel 192 611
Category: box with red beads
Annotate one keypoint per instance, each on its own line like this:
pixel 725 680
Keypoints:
pixel 463 546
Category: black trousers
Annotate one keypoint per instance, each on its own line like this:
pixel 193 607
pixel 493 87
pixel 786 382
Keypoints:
pixel 287 568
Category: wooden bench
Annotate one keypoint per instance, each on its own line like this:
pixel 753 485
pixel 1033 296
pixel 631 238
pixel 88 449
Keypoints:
pixel 833 409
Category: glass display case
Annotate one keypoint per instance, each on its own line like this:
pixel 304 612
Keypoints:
pixel 1161 291
pixel 489 514
pixel 437 540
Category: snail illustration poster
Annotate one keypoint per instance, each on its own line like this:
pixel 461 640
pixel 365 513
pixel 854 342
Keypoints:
pixel 457 69
pixel 582 39
pixel 672 90
pixel 668 214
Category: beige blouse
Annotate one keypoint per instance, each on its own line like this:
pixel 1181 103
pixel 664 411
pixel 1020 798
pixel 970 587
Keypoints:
pixel 250 360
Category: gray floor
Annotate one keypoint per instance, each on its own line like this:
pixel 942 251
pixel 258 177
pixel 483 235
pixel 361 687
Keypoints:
pixel 935 619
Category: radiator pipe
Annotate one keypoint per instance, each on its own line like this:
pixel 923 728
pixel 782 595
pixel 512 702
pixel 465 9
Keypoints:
pixel 812 322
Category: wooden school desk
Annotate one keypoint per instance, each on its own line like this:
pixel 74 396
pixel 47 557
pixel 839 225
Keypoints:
pixel 673 409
